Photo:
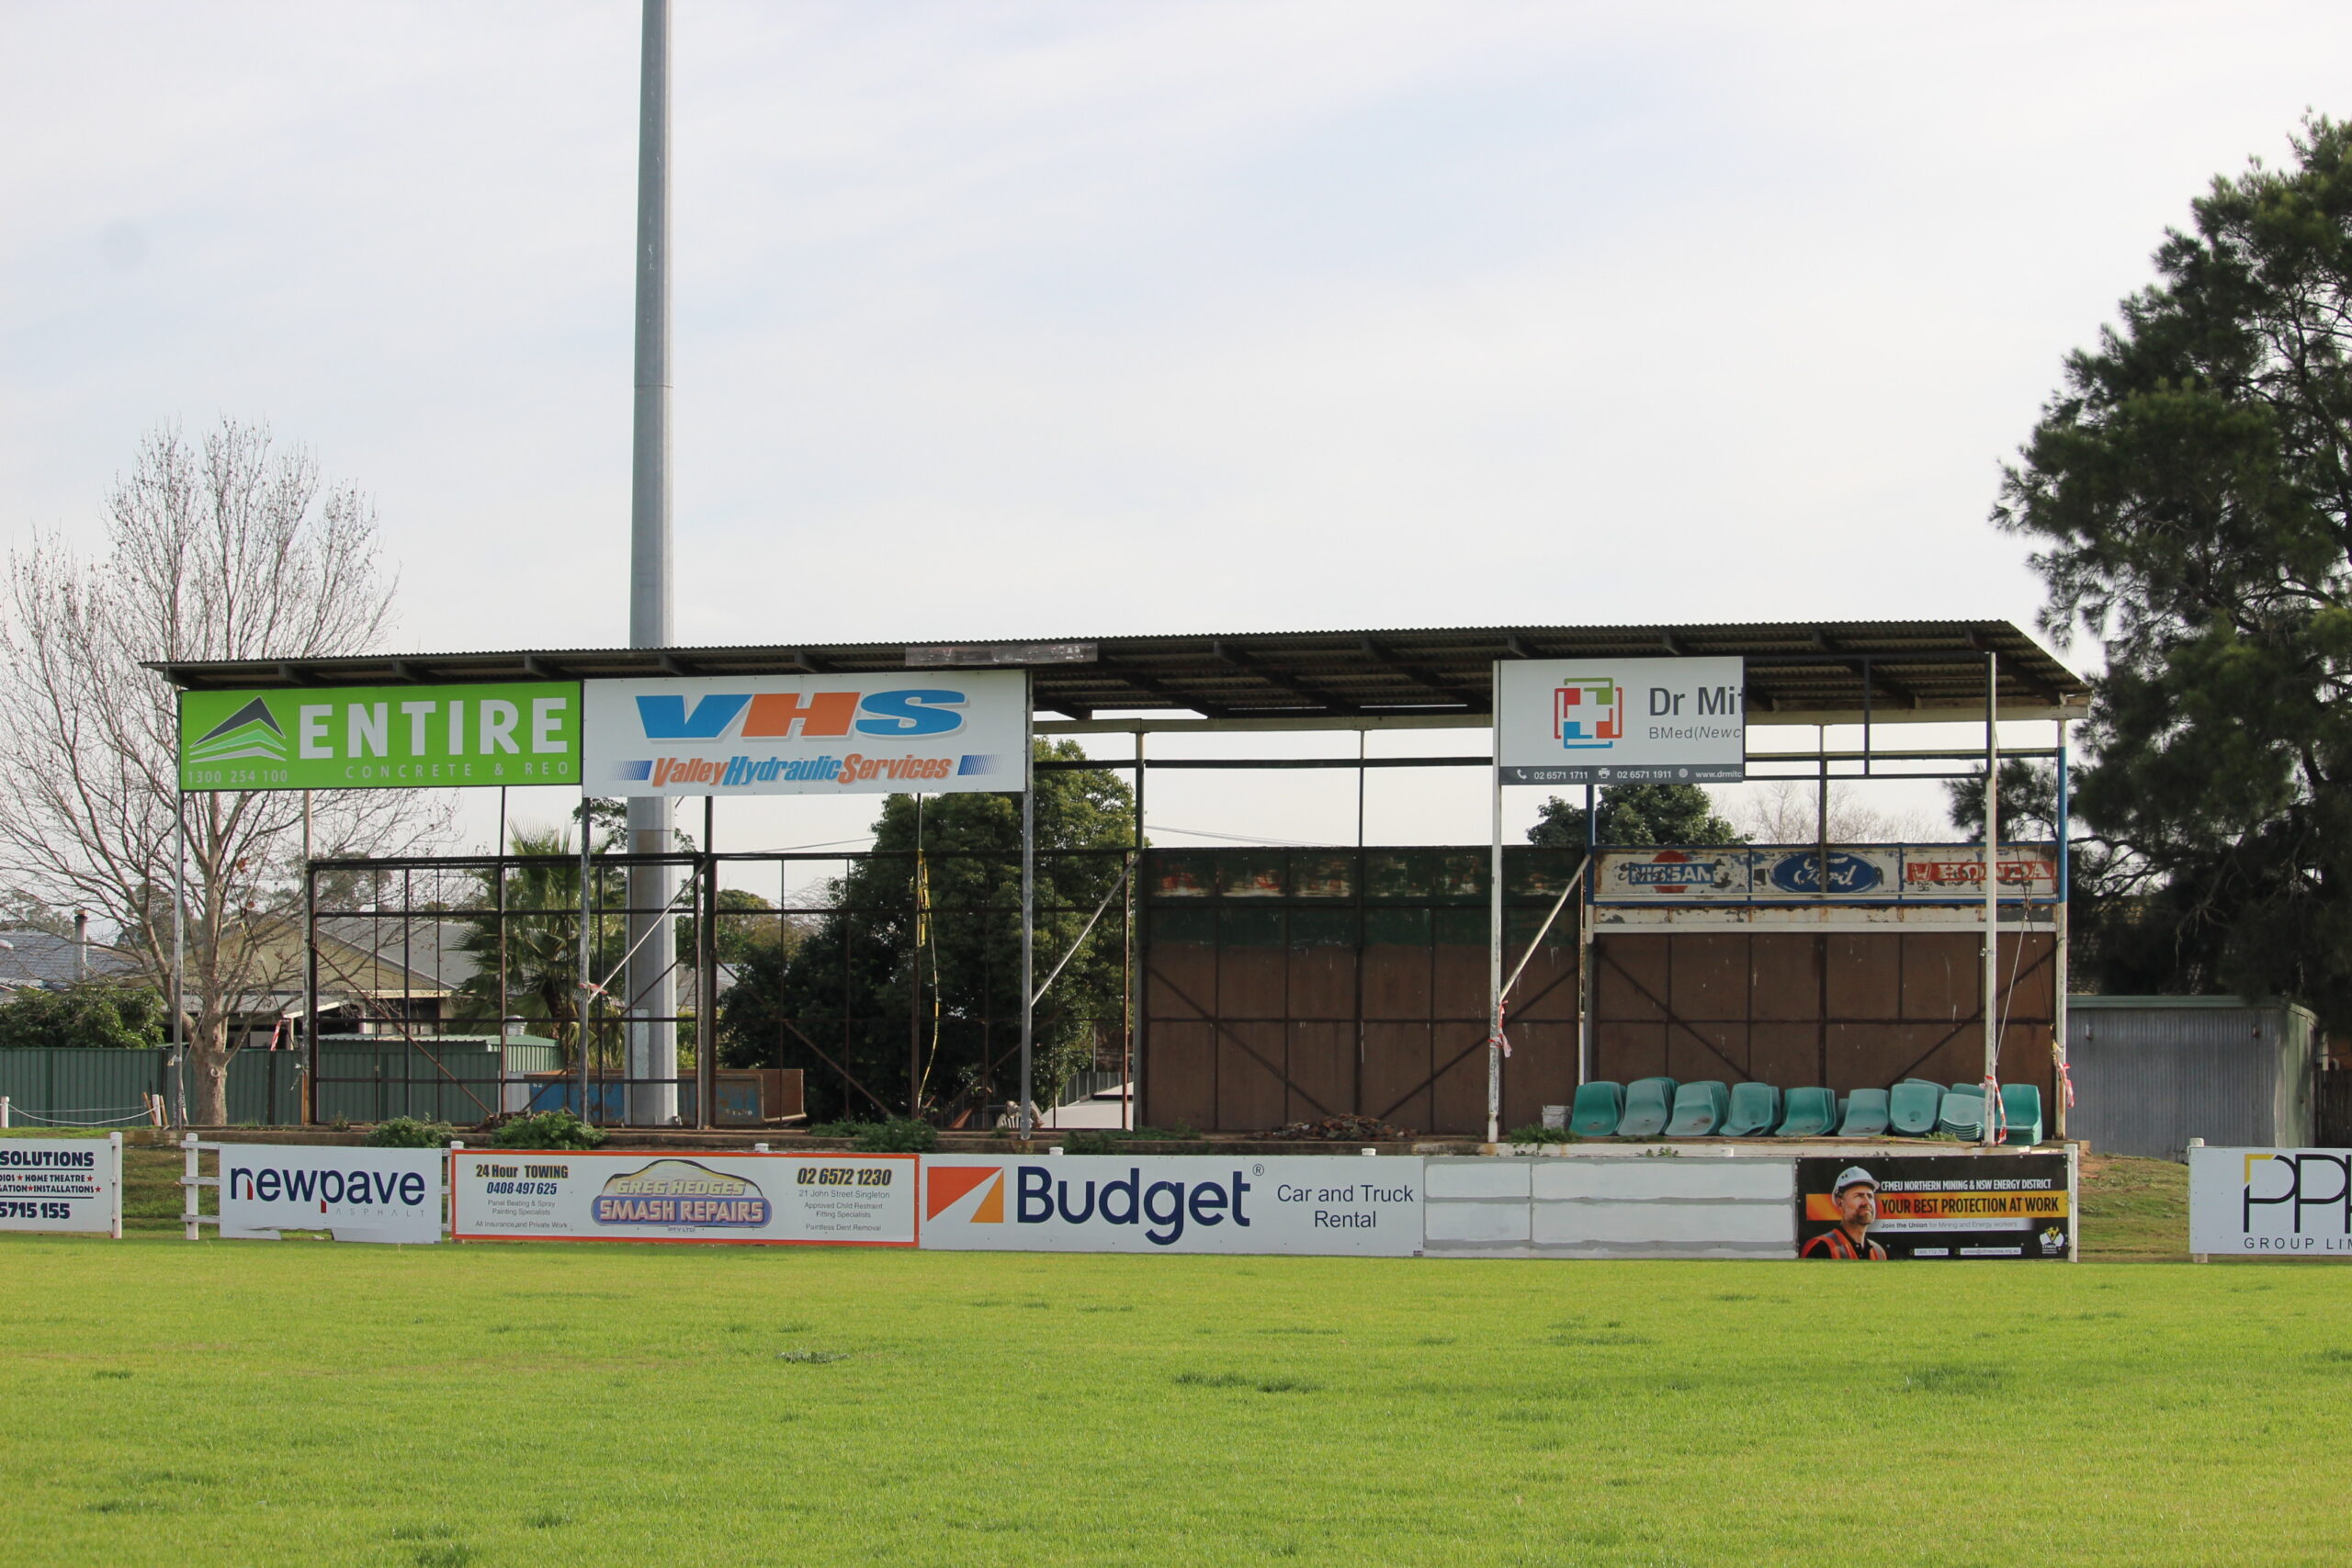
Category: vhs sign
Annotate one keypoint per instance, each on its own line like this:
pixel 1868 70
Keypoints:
pixel 1174 1203
pixel 62 1184
pixel 775 1199
pixel 932 732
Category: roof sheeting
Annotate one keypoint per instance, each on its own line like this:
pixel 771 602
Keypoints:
pixel 1895 667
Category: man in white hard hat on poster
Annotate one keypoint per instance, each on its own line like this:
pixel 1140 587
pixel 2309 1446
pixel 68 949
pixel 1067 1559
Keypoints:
pixel 1855 1193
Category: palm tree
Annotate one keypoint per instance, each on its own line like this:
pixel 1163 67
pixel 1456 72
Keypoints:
pixel 542 923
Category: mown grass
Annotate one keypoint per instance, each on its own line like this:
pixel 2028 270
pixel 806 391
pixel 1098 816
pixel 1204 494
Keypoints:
pixel 303 1402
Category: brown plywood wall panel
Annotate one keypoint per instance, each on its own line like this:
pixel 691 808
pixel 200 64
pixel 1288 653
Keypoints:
pixel 1540 1071
pixel 1631 978
pixel 1323 982
pixel 1395 981
pixel 1942 981
pixel 1461 988
pixel 1787 981
pixel 1625 1050
pixel 1396 1073
pixel 1547 988
pixel 1250 1092
pixel 1252 982
pixel 1707 1049
pixel 1179 1086
pixel 1180 981
pixel 1710 977
pixel 1786 1056
pixel 1322 1071
pixel 1864 975
pixel 1459 1100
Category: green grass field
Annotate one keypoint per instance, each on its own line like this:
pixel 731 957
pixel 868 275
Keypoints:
pixel 303 1402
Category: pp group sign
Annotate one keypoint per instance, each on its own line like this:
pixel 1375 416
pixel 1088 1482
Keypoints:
pixel 1571 721
pixel 2270 1202
pixel 566 1195
pixel 382 737
pixel 1174 1203
pixel 932 732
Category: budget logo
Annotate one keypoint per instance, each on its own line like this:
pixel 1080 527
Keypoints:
pixel 1588 714
pixel 252 731
pixel 681 1192
pixel 950 1185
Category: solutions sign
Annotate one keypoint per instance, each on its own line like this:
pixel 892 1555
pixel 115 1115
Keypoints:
pixel 382 737
pixel 1603 721
pixel 932 732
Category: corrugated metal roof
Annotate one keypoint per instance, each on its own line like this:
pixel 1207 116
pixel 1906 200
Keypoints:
pixel 1792 667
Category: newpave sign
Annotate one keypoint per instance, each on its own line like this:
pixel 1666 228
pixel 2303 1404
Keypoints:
pixel 382 737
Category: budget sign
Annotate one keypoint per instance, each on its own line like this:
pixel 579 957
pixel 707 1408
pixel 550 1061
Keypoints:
pixel 1173 1203
pixel 900 732
pixel 382 737
pixel 1620 720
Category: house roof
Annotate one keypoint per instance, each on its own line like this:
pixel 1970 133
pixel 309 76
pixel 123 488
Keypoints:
pixel 35 957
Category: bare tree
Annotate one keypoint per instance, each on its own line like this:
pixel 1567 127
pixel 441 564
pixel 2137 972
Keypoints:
pixel 227 549
pixel 1787 812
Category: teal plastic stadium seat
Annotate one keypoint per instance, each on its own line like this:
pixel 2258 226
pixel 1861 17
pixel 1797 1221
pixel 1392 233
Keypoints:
pixel 1649 1106
pixel 1866 1114
pixel 1976 1089
pixel 1599 1108
pixel 1755 1112
pixel 1698 1110
pixel 1811 1113
pixel 1912 1106
pixel 1962 1114
pixel 2021 1103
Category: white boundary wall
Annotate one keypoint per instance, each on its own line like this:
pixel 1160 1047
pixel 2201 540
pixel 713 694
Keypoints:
pixel 1612 1206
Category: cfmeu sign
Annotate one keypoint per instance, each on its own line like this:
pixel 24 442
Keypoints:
pixel 929 732
pixel 2270 1202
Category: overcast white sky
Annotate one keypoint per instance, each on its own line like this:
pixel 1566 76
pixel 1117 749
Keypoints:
pixel 1060 319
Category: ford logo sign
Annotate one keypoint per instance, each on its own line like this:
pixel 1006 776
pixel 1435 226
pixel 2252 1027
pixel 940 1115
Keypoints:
pixel 1801 873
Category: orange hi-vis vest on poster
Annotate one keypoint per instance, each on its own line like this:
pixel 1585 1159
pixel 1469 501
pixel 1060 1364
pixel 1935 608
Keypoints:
pixel 1837 1244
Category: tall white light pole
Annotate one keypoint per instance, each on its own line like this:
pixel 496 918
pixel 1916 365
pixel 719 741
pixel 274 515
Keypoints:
pixel 651 987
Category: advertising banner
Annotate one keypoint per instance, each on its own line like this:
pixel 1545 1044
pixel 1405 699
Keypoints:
pixel 772 1198
pixel 2270 1202
pixel 62 1184
pixel 900 732
pixel 1868 1208
pixel 382 737
pixel 1858 873
pixel 1173 1203
pixel 1600 721
pixel 384 1195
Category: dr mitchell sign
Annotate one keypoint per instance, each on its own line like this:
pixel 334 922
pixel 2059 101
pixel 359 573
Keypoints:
pixel 1567 721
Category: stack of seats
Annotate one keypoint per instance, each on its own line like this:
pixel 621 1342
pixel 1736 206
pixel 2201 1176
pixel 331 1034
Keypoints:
pixel 1698 1110
pixel 2021 1104
pixel 1660 1107
pixel 1755 1112
pixel 1865 1114
pixel 1810 1114
pixel 1649 1106
pixel 1599 1108
pixel 1912 1106
pixel 1962 1114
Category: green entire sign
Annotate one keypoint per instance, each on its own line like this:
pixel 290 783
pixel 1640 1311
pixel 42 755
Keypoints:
pixel 382 737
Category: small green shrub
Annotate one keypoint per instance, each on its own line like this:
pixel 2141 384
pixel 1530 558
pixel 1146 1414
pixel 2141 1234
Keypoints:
pixel 1540 1135
pixel 408 1132
pixel 1107 1140
pixel 899 1135
pixel 837 1129
pixel 550 1130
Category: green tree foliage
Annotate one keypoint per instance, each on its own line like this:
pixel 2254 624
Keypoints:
pixel 542 938
pixel 2189 492
pixel 847 989
pixel 94 1013
pixel 1637 815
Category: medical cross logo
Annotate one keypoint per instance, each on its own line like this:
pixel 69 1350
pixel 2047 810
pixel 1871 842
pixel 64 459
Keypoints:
pixel 950 1185
pixel 1588 714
